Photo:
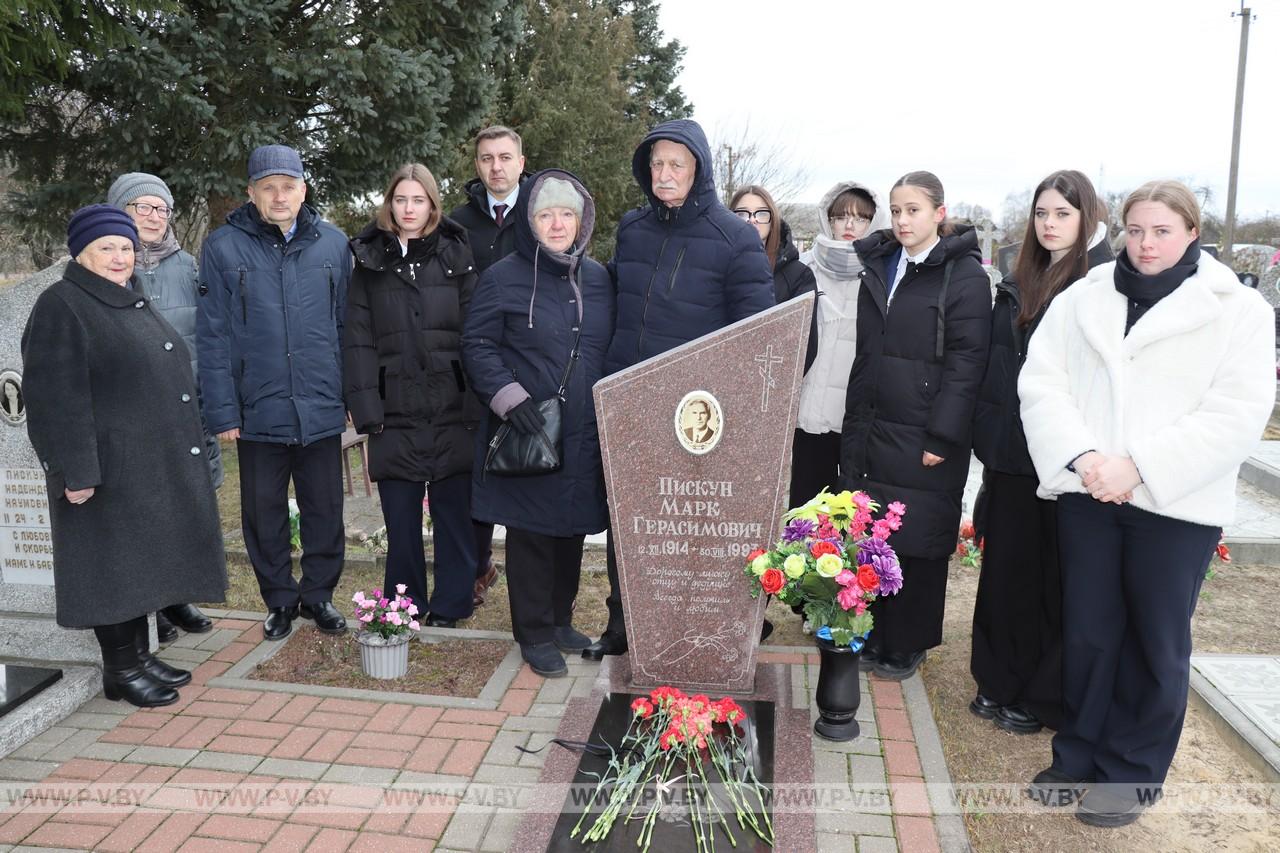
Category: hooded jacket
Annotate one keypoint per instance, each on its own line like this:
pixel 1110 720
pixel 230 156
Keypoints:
pixel 401 349
pixel 1185 394
pixel 269 328
pixel 914 383
pixel 517 340
pixel 837 271
pixel 489 243
pixel 998 439
pixel 682 272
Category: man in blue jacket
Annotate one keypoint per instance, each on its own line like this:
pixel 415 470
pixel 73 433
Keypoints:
pixel 684 266
pixel 273 284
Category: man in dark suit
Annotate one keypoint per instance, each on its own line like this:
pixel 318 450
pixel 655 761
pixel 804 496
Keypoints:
pixel 490 198
pixel 700 432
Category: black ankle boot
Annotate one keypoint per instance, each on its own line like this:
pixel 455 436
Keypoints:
pixel 152 665
pixel 122 674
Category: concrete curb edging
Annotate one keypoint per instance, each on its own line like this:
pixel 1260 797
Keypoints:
pixel 952 834
pixel 1236 729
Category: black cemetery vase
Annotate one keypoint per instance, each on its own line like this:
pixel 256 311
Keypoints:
pixel 838 696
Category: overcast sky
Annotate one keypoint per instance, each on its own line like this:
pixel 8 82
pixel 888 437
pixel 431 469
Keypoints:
pixel 990 95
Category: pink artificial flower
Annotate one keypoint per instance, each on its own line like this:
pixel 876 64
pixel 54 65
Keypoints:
pixel 880 529
pixel 366 617
pixel 413 625
pixel 358 598
pixel 861 500
pixel 401 589
pixel 862 516
pixel 394 619
pixel 849 596
pixel 377 593
pixel 382 602
pixel 893 522
pixel 394 605
pixel 898 508
pixel 412 610
pixel 859 607
pixel 845 578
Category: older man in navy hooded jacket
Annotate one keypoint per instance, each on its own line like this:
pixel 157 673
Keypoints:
pixel 684 266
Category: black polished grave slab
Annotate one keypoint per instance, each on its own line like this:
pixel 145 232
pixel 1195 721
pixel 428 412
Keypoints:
pixel 672 831
pixel 20 683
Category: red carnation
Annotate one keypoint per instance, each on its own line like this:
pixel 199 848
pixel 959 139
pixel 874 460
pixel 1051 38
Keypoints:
pixel 867 578
pixel 817 549
pixel 772 580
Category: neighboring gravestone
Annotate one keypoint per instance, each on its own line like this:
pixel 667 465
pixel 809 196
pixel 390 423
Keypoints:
pixel 27 629
pixel 697 454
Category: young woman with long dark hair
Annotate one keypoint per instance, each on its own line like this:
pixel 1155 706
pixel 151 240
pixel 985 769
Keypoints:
pixel 1146 386
pixel 1017 619
pixel 924 324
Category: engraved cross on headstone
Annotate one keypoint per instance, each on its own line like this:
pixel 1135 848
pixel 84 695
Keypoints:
pixel 988 233
pixel 767 360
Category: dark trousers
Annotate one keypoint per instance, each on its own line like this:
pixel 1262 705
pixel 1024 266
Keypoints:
pixel 484 546
pixel 542 583
pixel 617 622
pixel 316 471
pixel 453 543
pixel 911 621
pixel 1017 618
pixel 1130 580
pixel 815 464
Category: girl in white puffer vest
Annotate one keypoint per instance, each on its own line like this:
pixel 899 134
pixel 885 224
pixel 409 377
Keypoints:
pixel 849 211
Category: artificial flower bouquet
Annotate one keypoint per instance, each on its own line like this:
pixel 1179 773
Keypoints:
pixel 691 740
pixel 833 560
pixel 386 617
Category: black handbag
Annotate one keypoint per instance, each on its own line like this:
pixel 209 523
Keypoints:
pixel 515 454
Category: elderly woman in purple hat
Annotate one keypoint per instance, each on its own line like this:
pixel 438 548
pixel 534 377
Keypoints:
pixel 113 417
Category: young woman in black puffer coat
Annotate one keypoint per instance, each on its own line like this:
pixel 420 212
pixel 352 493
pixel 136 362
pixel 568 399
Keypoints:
pixel 1017 619
pixel 924 325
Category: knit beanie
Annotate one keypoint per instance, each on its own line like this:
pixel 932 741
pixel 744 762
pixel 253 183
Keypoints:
pixel 556 192
pixel 98 220
pixel 135 185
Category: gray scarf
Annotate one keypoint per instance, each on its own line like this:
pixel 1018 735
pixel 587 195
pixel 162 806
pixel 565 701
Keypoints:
pixel 153 253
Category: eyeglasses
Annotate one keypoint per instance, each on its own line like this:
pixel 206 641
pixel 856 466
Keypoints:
pixel 764 217
pixel 855 218
pixel 145 209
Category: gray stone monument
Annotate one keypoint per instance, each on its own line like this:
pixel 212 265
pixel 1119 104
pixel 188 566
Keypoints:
pixel 28 634
pixel 697 457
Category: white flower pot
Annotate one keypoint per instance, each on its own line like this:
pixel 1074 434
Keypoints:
pixel 381 658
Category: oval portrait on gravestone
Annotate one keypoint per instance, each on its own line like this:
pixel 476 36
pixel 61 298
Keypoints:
pixel 12 410
pixel 699 422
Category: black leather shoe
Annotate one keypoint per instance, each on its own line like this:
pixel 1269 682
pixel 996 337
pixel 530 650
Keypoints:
pixel 899 667
pixel 983 707
pixel 608 644
pixel 1018 720
pixel 326 617
pixel 165 632
pixel 434 621
pixel 766 628
pixel 279 623
pixel 169 676
pixel 189 618
pixel 544 659
pixel 1052 787
pixel 1114 804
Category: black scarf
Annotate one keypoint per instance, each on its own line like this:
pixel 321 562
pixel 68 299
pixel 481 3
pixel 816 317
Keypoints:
pixel 1143 291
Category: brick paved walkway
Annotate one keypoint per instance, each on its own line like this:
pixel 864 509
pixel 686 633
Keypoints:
pixel 264 767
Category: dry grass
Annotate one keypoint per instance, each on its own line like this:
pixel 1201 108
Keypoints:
pixel 1236 614
pixel 310 657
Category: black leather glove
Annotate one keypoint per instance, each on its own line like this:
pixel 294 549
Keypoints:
pixel 525 418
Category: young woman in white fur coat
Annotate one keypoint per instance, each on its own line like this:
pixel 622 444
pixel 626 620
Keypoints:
pixel 850 211
pixel 1146 386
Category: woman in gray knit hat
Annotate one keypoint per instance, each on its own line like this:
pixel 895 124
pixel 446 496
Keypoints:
pixel 166 276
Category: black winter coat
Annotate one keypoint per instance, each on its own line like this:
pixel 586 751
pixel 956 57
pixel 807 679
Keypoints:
pixel 791 278
pixel 682 272
pixel 914 383
pixel 998 439
pixel 401 353
pixel 269 328
pixel 111 404
pixel 519 334
pixel 489 243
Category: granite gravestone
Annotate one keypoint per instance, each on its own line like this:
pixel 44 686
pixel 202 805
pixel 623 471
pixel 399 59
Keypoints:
pixel 697 455
pixel 27 629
